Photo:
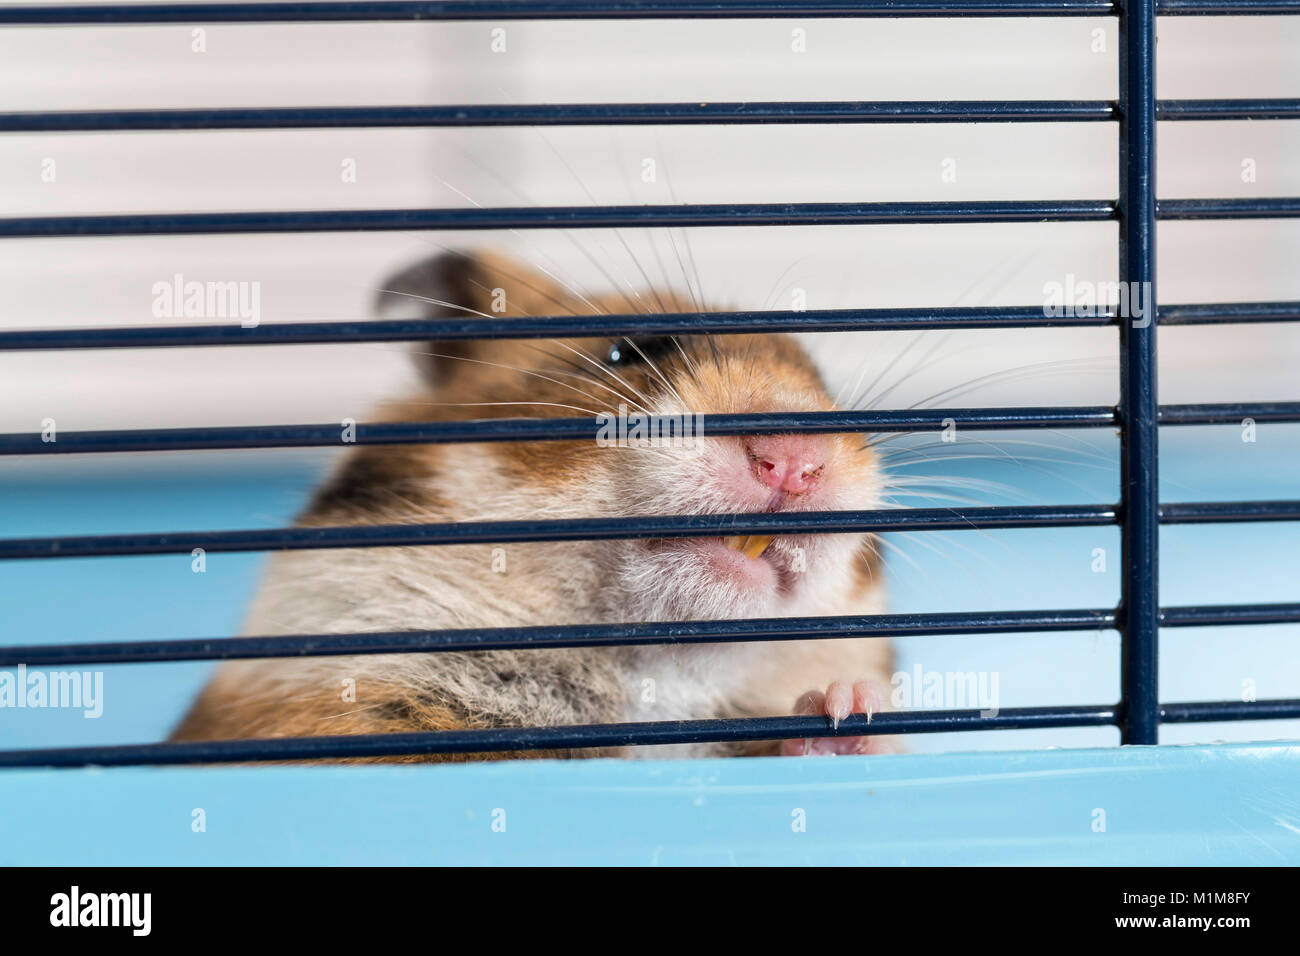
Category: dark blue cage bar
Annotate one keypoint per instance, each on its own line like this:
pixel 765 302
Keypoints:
pixel 1138 439
pixel 323 11
pixel 1139 514
pixel 629 114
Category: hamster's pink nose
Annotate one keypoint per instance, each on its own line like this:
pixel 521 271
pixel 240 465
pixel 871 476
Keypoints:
pixel 787 463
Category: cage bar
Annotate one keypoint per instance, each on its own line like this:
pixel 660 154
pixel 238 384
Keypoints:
pixel 559 217
pixel 609 635
pixel 314 11
pixel 900 421
pixel 730 730
pixel 896 520
pixel 634 114
pixel 684 323
pixel 1139 432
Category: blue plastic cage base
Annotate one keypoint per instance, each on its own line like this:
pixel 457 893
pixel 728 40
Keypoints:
pixel 1227 804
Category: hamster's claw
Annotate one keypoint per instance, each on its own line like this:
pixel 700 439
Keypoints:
pixel 838 701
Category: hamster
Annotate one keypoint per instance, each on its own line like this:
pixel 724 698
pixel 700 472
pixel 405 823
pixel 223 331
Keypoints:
pixel 572 582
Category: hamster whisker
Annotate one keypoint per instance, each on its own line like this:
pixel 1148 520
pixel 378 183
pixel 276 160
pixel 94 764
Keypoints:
pixel 862 373
pixel 1080 447
pixel 542 292
pixel 575 408
pixel 581 373
pixel 432 301
pixel 1029 462
pixel 906 482
pixel 528 241
pixel 568 234
pixel 927 360
pixel 650 363
pixel 777 286
pixel 618 233
pixel 1018 374
pixel 532 244
pixel 687 363
pixel 937 497
pixel 647 234
pixel 854 398
pixel 896 548
pixel 1102 463
pixel 650 287
pixel 696 298
pixel 696 290
pixel 1003 375
pixel 928 539
pixel 874 544
pixel 512 368
pixel 601 367
pixel 587 375
pixel 571 287
pixel 651 237
pixel 933 541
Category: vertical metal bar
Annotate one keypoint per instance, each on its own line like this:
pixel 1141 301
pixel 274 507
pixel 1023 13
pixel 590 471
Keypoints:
pixel 1139 601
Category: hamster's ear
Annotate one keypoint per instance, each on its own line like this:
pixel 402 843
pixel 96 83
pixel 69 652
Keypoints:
pixel 441 287
pixel 468 286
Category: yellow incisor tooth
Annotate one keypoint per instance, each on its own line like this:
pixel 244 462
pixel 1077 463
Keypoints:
pixel 756 544
pixel 750 545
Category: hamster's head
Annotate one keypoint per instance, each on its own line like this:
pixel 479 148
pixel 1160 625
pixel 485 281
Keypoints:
pixel 626 472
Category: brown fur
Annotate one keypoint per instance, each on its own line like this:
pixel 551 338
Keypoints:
pixel 215 716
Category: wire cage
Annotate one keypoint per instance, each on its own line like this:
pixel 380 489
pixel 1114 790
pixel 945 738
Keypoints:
pixel 1137 416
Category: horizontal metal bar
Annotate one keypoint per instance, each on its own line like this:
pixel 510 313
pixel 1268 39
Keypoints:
pixel 1227 8
pixel 1279 207
pixel 651 526
pixel 1222 313
pixel 589 429
pixel 546 429
pixel 1229 413
pixel 558 114
pixel 314 11
pixel 630 217
pixel 632 114
pixel 564 326
pixel 546 327
pixel 1234 512
pixel 734 730
pixel 578 529
pixel 1229 614
pixel 1257 109
pixel 1212 711
pixel 580 635
pixel 603 635
pixel 287 11
pixel 558 217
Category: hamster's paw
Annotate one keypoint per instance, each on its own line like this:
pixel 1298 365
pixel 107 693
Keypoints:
pixel 839 701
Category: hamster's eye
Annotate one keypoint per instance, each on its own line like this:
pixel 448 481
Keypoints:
pixel 649 348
